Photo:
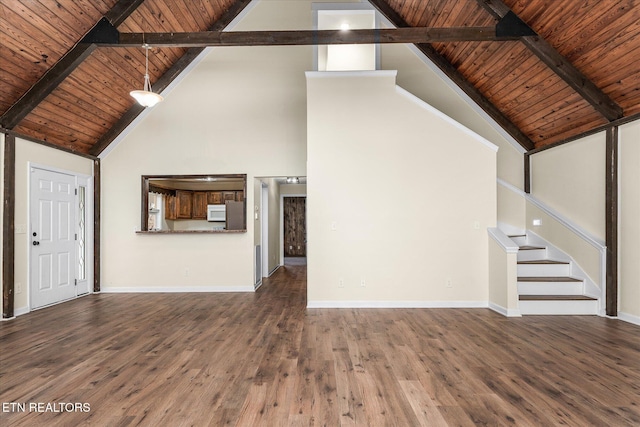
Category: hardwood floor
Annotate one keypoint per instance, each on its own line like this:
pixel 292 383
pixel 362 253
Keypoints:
pixel 264 359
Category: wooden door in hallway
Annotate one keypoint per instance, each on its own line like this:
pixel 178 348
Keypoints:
pixel 295 226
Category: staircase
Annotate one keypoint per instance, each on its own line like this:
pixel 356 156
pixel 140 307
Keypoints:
pixel 546 286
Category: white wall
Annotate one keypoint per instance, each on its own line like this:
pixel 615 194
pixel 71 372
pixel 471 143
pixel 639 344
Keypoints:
pixel 395 191
pixel 629 222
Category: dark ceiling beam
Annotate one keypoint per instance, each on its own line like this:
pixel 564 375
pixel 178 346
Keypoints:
pixel 448 69
pixel 65 65
pixel 560 65
pixel 164 81
pixel 311 37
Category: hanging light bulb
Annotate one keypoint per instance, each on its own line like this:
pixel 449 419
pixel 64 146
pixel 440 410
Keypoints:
pixel 146 97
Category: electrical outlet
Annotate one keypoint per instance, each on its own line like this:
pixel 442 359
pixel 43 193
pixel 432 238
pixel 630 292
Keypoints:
pixel 18 288
pixel 363 283
pixel 341 283
pixel 449 284
pixel 186 272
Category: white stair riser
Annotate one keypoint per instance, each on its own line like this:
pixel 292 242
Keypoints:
pixel 532 254
pixel 550 288
pixel 544 270
pixel 586 307
pixel 520 241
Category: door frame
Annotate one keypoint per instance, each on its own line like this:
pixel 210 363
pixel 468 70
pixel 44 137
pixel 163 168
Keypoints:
pixel 264 228
pixel 282 196
pixel 88 180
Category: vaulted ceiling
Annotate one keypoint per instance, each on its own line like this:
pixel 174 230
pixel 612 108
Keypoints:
pixel 560 68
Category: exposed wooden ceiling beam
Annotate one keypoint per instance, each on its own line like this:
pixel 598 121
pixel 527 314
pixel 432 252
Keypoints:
pixel 164 81
pixel 447 68
pixel 560 65
pixel 310 37
pixel 64 67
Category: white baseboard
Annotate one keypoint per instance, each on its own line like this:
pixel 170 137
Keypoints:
pixel 274 270
pixel 629 318
pixel 397 304
pixel 178 290
pixel 514 312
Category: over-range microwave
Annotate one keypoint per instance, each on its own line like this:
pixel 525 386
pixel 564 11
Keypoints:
pixel 217 213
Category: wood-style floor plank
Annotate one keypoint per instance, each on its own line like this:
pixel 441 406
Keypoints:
pixel 264 359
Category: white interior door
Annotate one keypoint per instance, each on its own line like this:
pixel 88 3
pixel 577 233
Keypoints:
pixel 53 245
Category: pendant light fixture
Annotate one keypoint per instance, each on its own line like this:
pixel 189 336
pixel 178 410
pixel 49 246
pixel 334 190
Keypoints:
pixel 146 97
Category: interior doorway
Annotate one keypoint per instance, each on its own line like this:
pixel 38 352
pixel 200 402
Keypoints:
pixel 295 229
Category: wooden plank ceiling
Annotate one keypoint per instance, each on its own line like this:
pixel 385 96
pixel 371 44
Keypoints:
pixel 577 69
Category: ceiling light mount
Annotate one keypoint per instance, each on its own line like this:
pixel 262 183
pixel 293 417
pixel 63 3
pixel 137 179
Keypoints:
pixel 146 97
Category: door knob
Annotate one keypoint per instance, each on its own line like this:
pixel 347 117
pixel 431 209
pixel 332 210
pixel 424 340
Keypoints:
pixel 35 243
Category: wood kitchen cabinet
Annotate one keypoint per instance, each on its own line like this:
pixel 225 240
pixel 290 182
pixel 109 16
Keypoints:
pixel 228 196
pixel 214 198
pixel 184 204
pixel 170 211
pixel 239 196
pixel 200 199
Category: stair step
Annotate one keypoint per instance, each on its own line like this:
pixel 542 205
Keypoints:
pixel 543 261
pixel 555 298
pixel 543 268
pixel 557 305
pixel 548 279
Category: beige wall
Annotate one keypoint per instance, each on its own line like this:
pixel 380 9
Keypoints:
pixel 629 222
pixel 403 202
pixel 503 274
pixel 274 224
pixel 571 180
pixel 273 214
pixel 26 152
pixel 419 79
pixel 240 110
pixel 511 207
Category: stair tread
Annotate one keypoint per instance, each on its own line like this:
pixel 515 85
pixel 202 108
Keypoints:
pixel 544 261
pixel 548 279
pixel 517 235
pixel 530 248
pixel 555 298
